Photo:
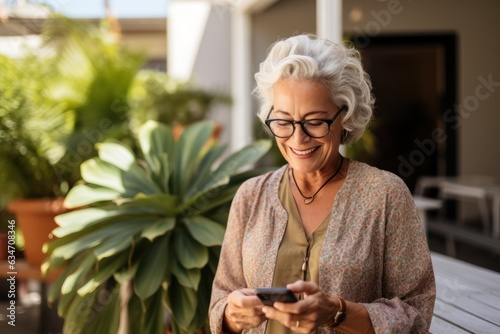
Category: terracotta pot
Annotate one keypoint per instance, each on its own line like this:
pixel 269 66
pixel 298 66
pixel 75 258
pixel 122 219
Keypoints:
pixel 35 218
pixel 177 131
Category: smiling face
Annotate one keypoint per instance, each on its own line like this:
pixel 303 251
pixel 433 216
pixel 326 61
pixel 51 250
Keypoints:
pixel 302 100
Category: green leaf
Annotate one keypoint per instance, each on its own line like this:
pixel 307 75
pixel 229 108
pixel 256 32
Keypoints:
pixel 206 201
pixel 65 302
pixel 137 177
pixel 154 322
pixel 85 242
pixel 183 304
pixel 85 216
pixel 164 174
pixel 103 174
pixel 49 264
pixel 188 152
pixel 107 317
pixel 204 170
pixel 176 328
pixel 70 268
pixel 129 182
pixel 72 280
pixel 190 253
pixel 205 231
pixel 136 312
pixel 52 262
pixel 105 270
pixel 217 195
pixel 126 274
pixel 85 194
pixel 164 204
pixel 113 245
pixel 97 237
pixel 187 277
pixel 117 154
pixel 246 156
pixel 152 268
pixel 84 219
pixel 159 228
pixel 155 139
pixel 77 311
pixel 203 298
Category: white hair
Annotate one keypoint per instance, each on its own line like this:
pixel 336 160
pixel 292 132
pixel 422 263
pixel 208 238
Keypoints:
pixel 337 66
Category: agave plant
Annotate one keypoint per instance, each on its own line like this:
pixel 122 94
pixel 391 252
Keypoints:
pixel 150 228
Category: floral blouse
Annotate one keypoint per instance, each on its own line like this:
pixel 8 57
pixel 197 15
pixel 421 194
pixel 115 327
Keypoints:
pixel 375 250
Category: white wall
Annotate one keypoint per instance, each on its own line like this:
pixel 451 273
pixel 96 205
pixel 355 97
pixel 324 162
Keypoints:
pixel 199 50
pixel 185 28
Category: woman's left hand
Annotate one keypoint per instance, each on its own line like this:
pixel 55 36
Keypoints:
pixel 314 310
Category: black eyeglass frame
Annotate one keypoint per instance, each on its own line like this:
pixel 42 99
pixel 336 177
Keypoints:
pixel 328 121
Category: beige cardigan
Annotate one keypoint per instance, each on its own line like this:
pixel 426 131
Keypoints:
pixel 375 250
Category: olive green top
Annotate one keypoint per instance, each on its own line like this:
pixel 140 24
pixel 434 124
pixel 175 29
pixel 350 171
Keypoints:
pixel 294 248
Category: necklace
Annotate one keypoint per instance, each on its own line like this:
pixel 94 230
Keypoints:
pixel 309 199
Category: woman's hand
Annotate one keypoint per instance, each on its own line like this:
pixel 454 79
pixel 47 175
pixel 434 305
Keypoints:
pixel 243 310
pixel 316 309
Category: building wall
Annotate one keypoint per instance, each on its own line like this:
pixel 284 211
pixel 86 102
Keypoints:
pixel 477 26
pixel 283 19
pixel 213 65
pixel 199 50
pixel 154 44
pixel 475 23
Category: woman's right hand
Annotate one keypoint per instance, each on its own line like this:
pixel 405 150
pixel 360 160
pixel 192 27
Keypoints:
pixel 243 310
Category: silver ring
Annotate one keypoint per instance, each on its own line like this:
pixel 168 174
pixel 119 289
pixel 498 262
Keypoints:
pixel 297 324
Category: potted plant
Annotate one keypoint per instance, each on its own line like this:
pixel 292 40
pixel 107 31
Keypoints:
pixel 146 243
pixel 53 109
pixel 31 132
pixel 5 227
pixel 156 96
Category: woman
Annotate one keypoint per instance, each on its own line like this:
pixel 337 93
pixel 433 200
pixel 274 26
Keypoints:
pixel 343 236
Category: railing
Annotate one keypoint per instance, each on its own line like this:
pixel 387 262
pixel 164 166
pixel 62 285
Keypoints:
pixel 483 191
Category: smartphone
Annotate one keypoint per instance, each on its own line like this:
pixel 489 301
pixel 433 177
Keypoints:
pixel 270 295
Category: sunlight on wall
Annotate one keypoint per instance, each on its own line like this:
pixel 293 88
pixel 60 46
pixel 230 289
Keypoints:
pixel 186 26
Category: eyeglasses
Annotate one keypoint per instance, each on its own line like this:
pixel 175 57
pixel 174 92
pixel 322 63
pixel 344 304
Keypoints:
pixel 315 128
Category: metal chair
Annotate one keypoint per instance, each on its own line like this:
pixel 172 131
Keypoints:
pixel 460 191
